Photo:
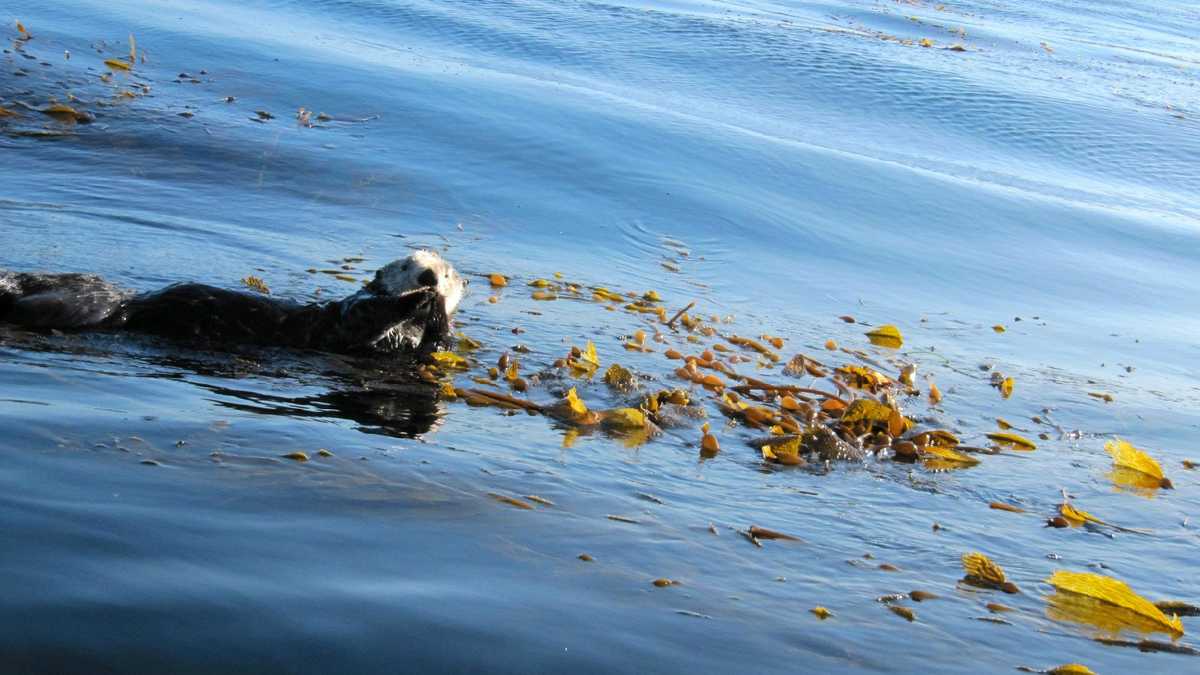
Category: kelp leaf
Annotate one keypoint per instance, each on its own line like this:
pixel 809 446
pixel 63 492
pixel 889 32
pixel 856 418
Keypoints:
pixel 886 336
pixel 576 404
pixel 1076 517
pixel 117 64
pixel 1125 456
pixel 868 410
pixel 947 454
pixel 255 284
pixel 1014 441
pixel 981 571
pixel 589 354
pixel 449 360
pixel 1116 593
pixel 1006 387
pixel 625 418
pixel 1070 669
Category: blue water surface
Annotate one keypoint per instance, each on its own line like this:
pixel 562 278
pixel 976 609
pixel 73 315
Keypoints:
pixel 779 163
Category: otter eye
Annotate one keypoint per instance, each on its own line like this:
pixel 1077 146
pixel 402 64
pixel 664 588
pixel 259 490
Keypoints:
pixel 404 267
pixel 427 278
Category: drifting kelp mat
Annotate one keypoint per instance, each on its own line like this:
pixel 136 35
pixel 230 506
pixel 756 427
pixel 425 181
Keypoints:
pixel 682 378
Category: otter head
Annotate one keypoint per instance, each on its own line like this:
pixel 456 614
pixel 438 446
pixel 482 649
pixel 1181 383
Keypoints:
pixel 421 269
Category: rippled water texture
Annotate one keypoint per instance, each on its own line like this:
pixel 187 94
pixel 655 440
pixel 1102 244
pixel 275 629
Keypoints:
pixel 788 162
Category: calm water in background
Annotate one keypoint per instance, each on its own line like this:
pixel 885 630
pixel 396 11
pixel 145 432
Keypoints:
pixel 809 168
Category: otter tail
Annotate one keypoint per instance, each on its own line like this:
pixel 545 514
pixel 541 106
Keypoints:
pixel 57 300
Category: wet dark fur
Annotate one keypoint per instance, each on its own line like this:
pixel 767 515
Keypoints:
pixel 208 315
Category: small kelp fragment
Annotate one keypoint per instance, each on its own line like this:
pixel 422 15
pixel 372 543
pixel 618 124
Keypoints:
pixel 903 611
pixel 540 500
pixel 1001 506
pixel 1006 387
pixel 1076 517
pixel 544 295
pixel 938 458
pixel 1014 441
pixel 255 284
pixel 982 572
pixel 585 557
pixel 867 410
pixel 1107 398
pixel 324 453
pixel 862 377
pixel 1190 465
pixel 886 336
pixel 466 343
pixel 450 360
pixel 926 42
pixel 1112 592
pixel 601 294
pixel 663 582
pixel 622 519
pixel 709 447
pixel 763 533
pixel 786 453
pixel 999 328
pixel 831 345
pixel 1004 424
pixel 298 456
pixel 626 419
pixel 117 64
pixel 497 280
pixel 584 361
pixel 511 501
pixel 1177 607
pixel 997 608
pixel 1070 669
pixel 821 613
pixel 935 394
pixel 576 404
pixel 922 596
pixel 755 345
pixel 5 112
pixel 1129 458
pixel 65 113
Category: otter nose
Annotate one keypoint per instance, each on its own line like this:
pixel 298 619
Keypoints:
pixel 427 278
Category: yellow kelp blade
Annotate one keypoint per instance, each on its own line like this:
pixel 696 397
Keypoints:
pixel 576 404
pixel 1077 517
pixel 981 571
pixel 886 336
pixel 1011 440
pixel 1071 669
pixel 628 419
pixel 589 354
pixel 937 458
pixel 1129 458
pixel 449 360
pixel 1109 604
pixel 867 409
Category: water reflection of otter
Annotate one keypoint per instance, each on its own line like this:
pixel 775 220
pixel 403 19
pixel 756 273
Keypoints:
pixel 407 306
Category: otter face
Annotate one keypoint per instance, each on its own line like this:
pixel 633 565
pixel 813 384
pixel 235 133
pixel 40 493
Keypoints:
pixel 421 269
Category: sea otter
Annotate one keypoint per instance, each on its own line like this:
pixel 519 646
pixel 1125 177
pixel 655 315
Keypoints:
pixel 407 306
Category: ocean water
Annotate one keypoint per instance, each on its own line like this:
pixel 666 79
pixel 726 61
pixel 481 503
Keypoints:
pixel 779 163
